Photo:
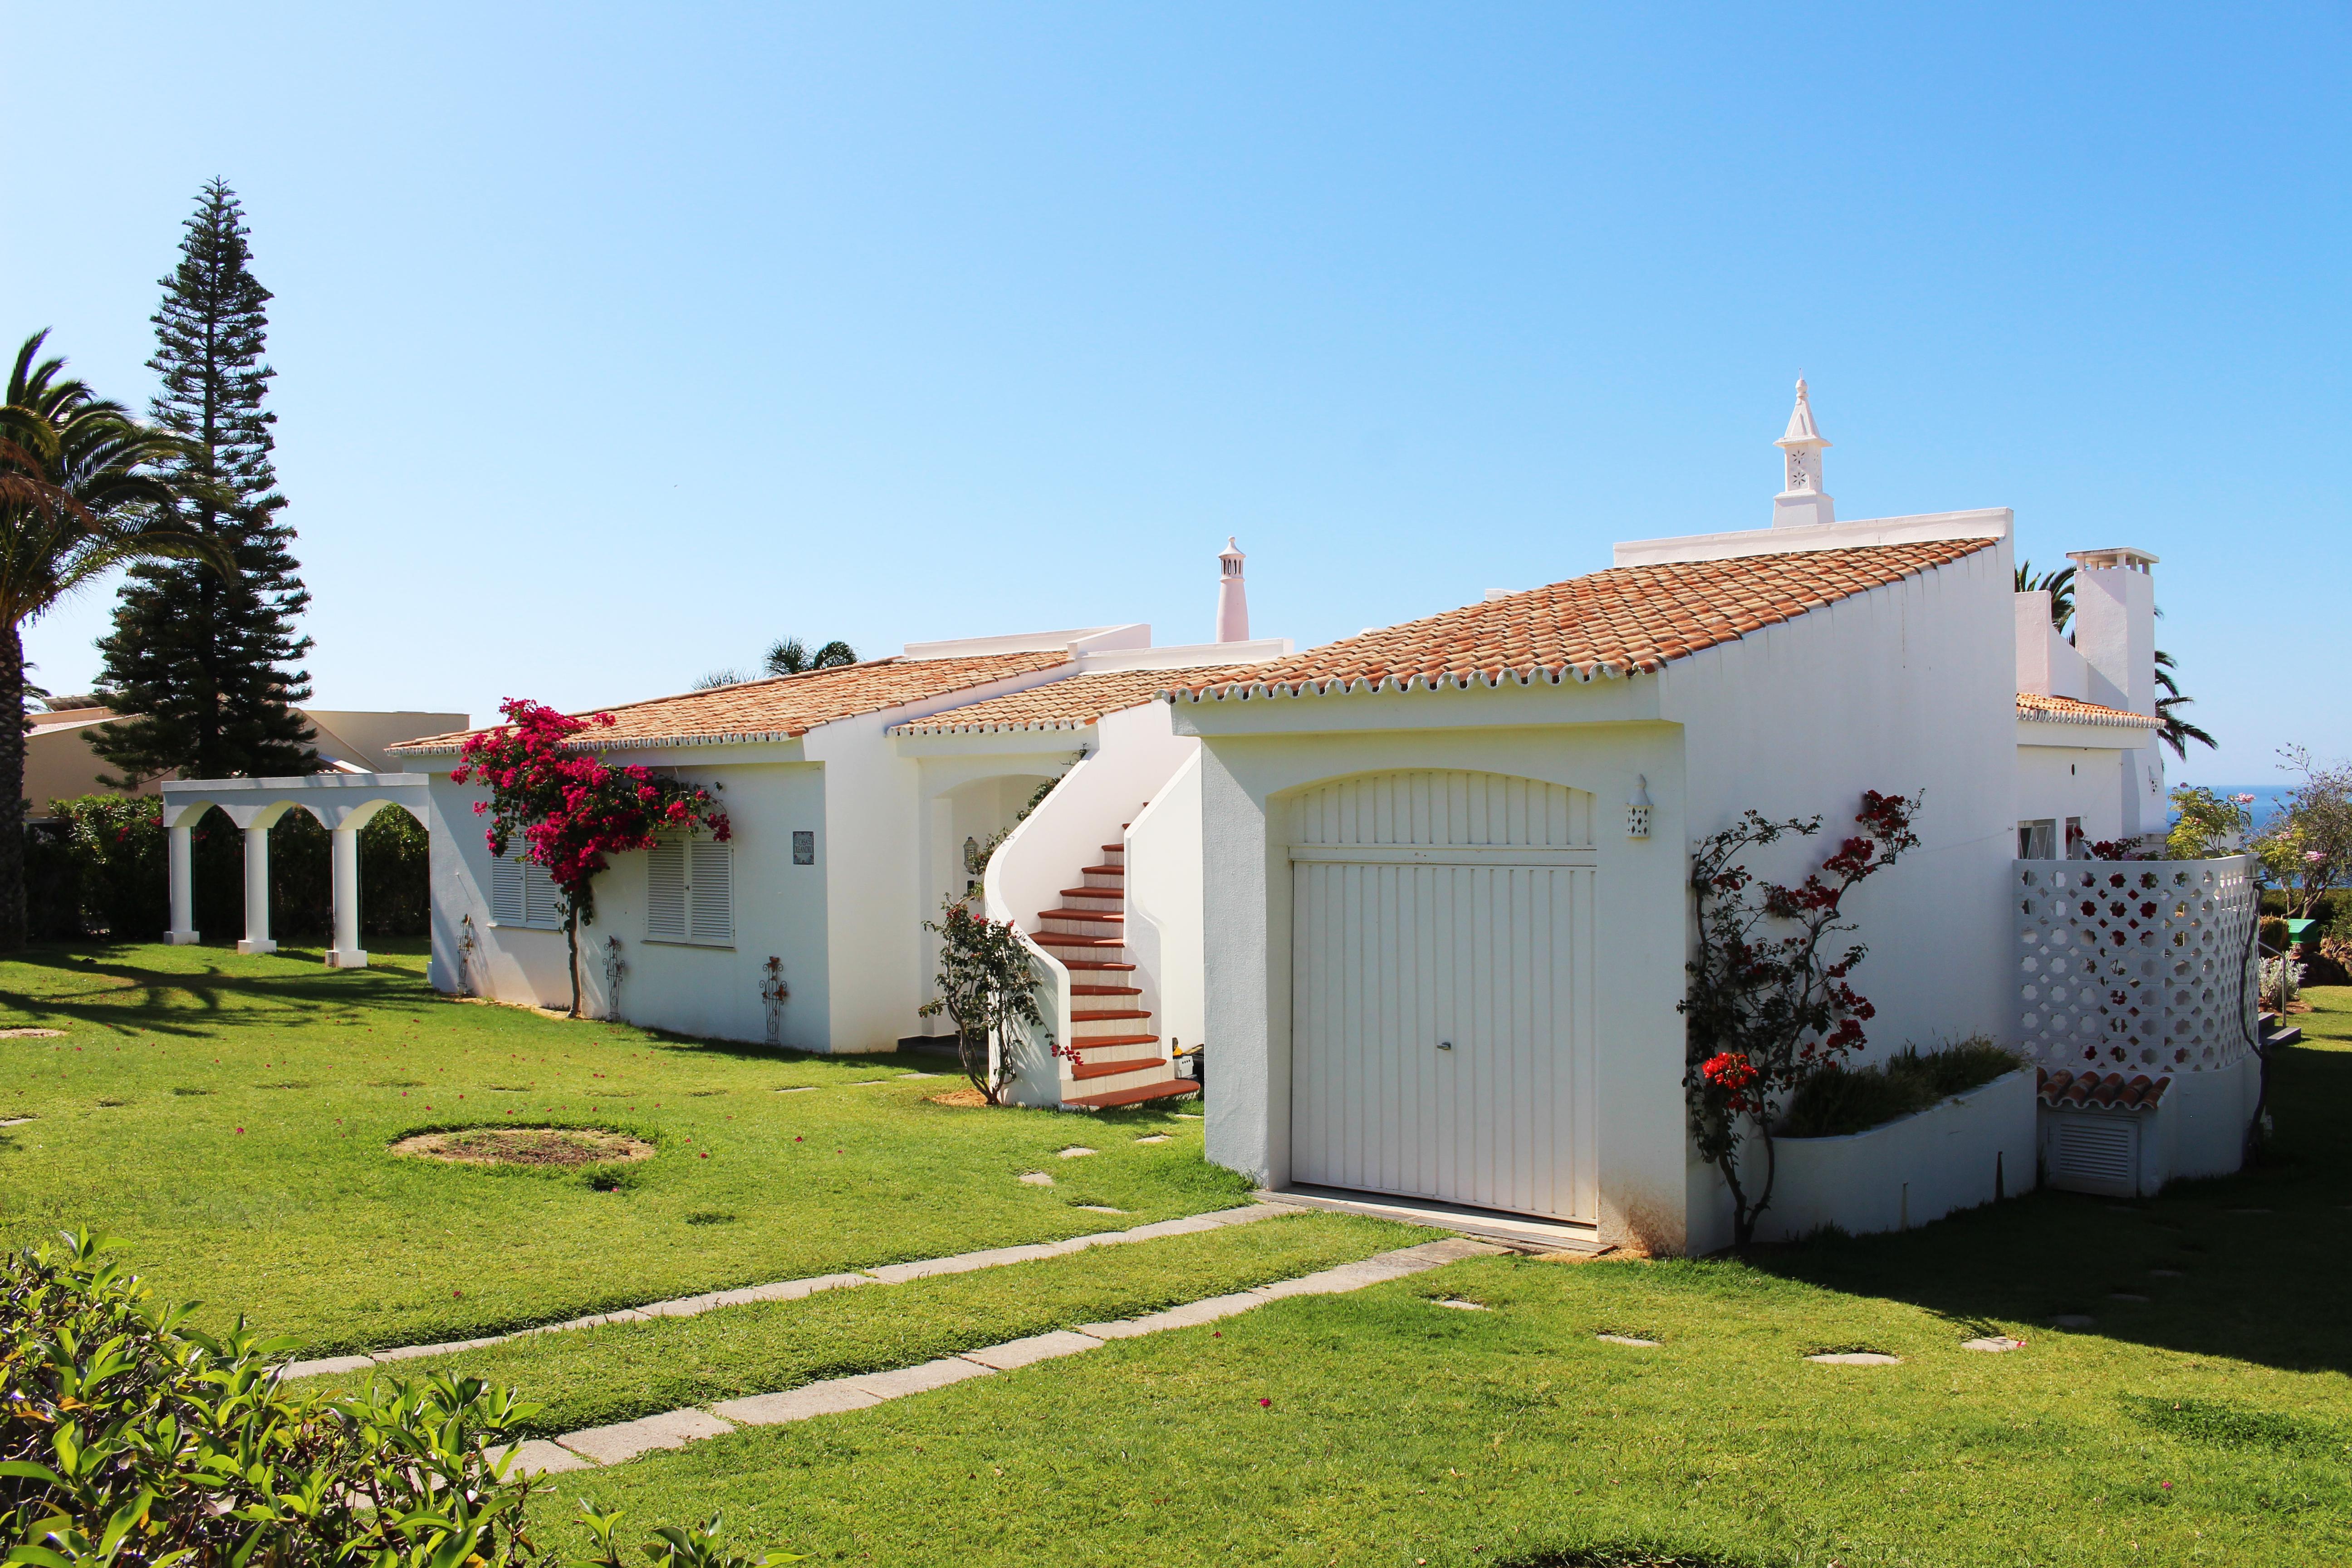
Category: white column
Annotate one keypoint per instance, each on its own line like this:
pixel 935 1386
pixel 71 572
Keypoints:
pixel 256 892
pixel 346 953
pixel 179 840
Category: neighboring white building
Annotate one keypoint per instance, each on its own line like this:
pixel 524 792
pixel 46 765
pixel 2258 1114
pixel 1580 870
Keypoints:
pixel 1445 903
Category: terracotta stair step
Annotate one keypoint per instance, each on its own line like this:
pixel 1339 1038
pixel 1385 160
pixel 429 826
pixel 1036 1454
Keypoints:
pixel 1115 849
pixel 1055 941
pixel 1094 892
pixel 1097 915
pixel 1103 871
pixel 1078 990
pixel 1115 1098
pixel 1096 965
pixel 1097 1042
pixel 1103 1014
pixel 1083 1071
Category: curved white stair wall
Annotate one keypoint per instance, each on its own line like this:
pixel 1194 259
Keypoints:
pixel 1164 905
pixel 1135 754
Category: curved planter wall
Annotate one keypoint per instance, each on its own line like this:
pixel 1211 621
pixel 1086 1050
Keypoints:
pixel 1907 1173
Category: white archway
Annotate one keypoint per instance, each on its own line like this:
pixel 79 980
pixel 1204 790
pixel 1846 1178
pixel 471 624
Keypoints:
pixel 343 804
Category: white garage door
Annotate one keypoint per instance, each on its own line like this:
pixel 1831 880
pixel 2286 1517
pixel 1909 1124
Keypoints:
pixel 1441 991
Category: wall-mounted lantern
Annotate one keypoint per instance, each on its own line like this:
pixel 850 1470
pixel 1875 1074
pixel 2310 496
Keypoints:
pixel 1637 810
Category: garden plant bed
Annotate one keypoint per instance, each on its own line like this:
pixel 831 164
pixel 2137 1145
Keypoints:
pixel 564 1147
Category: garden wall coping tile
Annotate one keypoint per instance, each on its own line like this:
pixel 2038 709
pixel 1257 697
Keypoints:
pixel 1034 1348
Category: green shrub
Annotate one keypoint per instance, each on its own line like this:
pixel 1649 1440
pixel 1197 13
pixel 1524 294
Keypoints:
pixel 130 1441
pixel 1839 1101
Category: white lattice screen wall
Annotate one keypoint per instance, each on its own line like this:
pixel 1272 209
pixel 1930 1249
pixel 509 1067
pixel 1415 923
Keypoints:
pixel 2136 966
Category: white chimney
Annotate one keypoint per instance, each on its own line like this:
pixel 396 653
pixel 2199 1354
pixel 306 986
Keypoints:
pixel 2115 626
pixel 1232 599
pixel 1803 502
pixel 2047 664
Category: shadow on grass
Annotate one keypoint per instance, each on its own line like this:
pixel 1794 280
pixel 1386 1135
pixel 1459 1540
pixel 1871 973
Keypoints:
pixel 2250 1267
pixel 108 993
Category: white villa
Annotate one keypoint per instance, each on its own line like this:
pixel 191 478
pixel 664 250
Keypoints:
pixel 1422 893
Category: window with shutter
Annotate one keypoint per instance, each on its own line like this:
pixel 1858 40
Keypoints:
pixel 665 891
pixel 710 892
pixel 523 894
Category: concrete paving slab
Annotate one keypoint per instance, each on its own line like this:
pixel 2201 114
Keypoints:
pixel 794 1289
pixel 627 1439
pixel 1192 1314
pixel 963 1262
pixel 538 1457
pixel 327 1366
pixel 830 1398
pixel 1856 1358
pixel 1639 1344
pixel 1338 1281
pixel 1034 1348
pixel 919 1379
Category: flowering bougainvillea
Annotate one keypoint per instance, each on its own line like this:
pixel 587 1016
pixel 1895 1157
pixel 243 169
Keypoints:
pixel 571 808
pixel 1769 1004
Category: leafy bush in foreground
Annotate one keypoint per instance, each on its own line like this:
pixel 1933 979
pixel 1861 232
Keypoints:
pixel 129 1439
pixel 1840 1099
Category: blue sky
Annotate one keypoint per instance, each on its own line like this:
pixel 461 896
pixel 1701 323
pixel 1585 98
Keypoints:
pixel 614 342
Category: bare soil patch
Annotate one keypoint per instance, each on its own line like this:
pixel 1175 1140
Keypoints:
pixel 963 1099
pixel 526 1146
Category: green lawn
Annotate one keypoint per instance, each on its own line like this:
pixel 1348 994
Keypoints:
pixel 1400 1432
pixel 227 1118
pixel 1394 1431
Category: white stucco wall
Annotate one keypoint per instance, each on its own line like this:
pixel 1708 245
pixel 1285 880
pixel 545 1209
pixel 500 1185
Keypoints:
pixel 1596 738
pixel 2056 782
pixel 1905 687
pixel 1164 917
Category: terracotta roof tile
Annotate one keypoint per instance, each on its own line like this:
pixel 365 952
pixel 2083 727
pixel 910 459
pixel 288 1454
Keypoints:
pixel 2064 1091
pixel 1068 704
pixel 782 708
pixel 2070 710
pixel 1607 624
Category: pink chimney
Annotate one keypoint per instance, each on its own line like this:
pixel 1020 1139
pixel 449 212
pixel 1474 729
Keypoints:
pixel 1233 598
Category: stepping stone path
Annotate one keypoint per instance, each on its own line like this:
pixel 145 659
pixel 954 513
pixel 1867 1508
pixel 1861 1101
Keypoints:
pixel 1627 1339
pixel 1076 1152
pixel 911 1077
pixel 1993 1344
pixel 32 1034
pixel 1856 1358
pixel 2166 1273
pixel 15 1121
pixel 2127 1295
pixel 2073 1320
pixel 1098 1208
pixel 674 1428
pixel 803 1088
pixel 794 1289
pixel 1459 1305
pixel 1154 1138
pixel 1037 1178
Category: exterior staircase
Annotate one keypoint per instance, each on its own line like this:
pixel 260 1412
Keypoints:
pixel 1112 1057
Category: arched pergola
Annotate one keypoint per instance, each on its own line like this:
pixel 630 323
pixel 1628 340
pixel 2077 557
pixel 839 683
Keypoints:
pixel 343 804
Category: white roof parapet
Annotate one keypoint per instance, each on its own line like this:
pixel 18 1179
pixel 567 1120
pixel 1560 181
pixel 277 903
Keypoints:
pixel 1988 522
pixel 2122 555
pixel 1076 641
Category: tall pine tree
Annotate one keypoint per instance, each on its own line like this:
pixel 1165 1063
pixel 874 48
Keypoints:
pixel 201 662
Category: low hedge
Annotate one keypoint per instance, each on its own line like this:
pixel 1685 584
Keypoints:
pixel 1840 1100
pixel 130 1441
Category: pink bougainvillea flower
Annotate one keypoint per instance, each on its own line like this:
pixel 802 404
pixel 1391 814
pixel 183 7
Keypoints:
pixel 706 1153
pixel 1266 1405
pixel 240 1129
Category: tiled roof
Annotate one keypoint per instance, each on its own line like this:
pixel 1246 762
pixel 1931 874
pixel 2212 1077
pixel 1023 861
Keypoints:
pixel 1068 704
pixel 2070 710
pixel 783 708
pixel 1609 624
pixel 2064 1091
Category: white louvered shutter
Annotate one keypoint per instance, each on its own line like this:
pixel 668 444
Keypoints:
pixel 712 892
pixel 665 891
pixel 542 905
pixel 506 889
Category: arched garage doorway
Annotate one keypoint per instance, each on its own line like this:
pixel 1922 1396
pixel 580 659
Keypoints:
pixel 1442 990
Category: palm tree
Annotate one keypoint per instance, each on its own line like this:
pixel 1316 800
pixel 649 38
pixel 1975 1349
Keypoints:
pixel 792 657
pixel 2177 732
pixel 2060 586
pixel 80 493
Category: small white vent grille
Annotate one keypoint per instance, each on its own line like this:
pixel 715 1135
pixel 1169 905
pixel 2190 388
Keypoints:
pixel 2094 1154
